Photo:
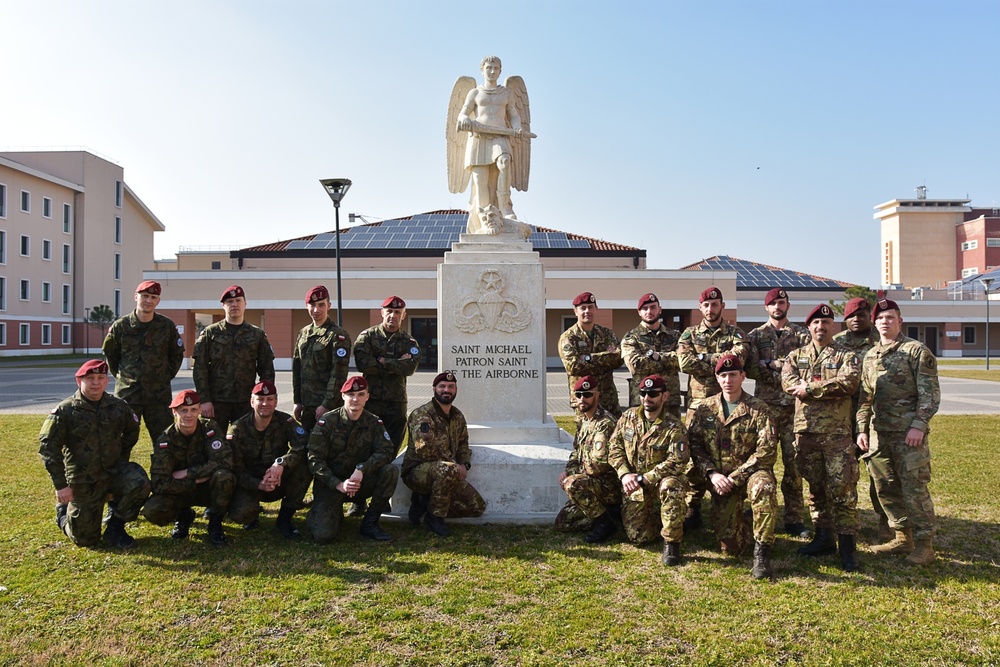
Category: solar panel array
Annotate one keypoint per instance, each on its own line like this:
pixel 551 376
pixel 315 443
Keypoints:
pixel 750 275
pixel 426 231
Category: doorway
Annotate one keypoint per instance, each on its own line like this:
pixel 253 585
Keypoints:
pixel 424 330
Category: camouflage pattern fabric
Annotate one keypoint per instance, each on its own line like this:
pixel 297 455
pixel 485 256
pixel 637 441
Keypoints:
pixel 637 346
pixel 832 374
pixel 828 463
pixel 327 511
pixel 588 354
pixel 901 474
pixel 710 344
pixel 591 483
pixel 386 380
pixel 766 343
pixel 337 445
pixel 320 363
pixel 229 360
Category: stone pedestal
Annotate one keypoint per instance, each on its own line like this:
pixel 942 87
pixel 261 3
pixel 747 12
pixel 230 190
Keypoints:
pixel 491 334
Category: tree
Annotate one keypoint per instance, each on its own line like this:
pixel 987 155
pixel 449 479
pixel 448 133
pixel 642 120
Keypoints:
pixel 101 315
pixel 853 292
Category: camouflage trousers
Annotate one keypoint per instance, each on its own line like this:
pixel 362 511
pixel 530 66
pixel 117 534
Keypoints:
pixel 901 474
pixel 213 494
pixel 697 484
pixel 327 512
pixel 128 486
pixel 393 416
pixel 245 504
pixel 226 412
pixel 791 481
pixel 646 512
pixel 450 496
pixel 731 527
pixel 589 498
pixel 829 465
pixel 158 418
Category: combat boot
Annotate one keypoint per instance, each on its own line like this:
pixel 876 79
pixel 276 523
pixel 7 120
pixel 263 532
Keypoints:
pixel 672 553
pixel 216 534
pixel 761 561
pixel 61 516
pixel 183 524
pixel 436 525
pixel 885 531
pixel 604 527
pixel 693 519
pixel 418 505
pixel 285 525
pixel 797 529
pixel 923 554
pixel 253 525
pixel 902 543
pixel 370 528
pixel 357 508
pixel 847 545
pixel 822 544
pixel 115 535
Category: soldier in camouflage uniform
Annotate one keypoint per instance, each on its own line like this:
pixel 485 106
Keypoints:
pixel 734 444
pixel 438 459
pixel 822 376
pixel 595 494
pixel 350 456
pixel 85 444
pixel 769 344
pixel 319 362
pixel 269 461
pixel 899 396
pixel 144 353
pixel 587 348
pixel 191 465
pixel 649 451
pixel 651 349
pixel 698 351
pixel 229 356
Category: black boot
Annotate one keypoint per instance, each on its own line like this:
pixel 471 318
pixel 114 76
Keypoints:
pixel 370 527
pixel 693 519
pixel 672 553
pixel 603 528
pixel 61 516
pixel 848 547
pixel 822 544
pixel 418 505
pixel 115 535
pixel 183 524
pixel 285 525
pixel 436 525
pixel 761 561
pixel 253 525
pixel 216 534
pixel 797 529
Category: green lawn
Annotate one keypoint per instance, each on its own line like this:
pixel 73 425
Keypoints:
pixel 495 595
pixel 992 375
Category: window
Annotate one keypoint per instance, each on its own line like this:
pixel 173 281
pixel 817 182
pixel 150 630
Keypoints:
pixel 118 303
pixel 3 333
pixel 3 293
pixel 970 245
pixel 47 249
pixel 969 335
pixel 24 333
pixel 66 258
pixel 25 289
pixel 3 200
pixel 25 201
pixel 46 292
pixel 118 266
pixel 973 271
pixel 67 334
pixel 3 247
pixel 25 246
pixel 118 230
pixel 993 243
pixel 46 334
pixel 65 299
pixel 67 217
pixel 46 207
pixel 118 194
pixel 216 266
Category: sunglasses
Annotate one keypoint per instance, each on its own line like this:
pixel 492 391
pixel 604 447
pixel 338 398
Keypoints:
pixel 650 392
pixel 583 394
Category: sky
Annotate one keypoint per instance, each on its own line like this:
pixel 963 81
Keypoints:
pixel 759 129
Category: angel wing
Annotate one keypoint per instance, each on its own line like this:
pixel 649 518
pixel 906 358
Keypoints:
pixel 520 148
pixel 458 175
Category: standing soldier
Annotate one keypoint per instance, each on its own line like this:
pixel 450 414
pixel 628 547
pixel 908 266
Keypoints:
pixel 350 457
pixel 320 361
pixel 144 353
pixel 587 348
pixel 769 344
pixel 651 349
pixel 269 461
pixel 191 465
pixel 698 351
pixel 229 356
pixel 649 451
pixel 85 444
pixel 899 396
pixel 438 459
pixel 733 444
pixel 595 494
pixel 822 376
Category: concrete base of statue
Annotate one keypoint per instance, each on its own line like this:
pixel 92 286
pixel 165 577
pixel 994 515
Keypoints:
pixel 491 334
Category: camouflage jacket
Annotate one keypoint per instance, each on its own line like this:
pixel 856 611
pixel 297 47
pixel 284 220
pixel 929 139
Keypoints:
pixel 857 343
pixel 144 357
pixel 590 446
pixel 652 449
pixel 708 344
pixel 899 387
pixel 338 445
pixel 319 365
pixel 832 375
pixel 637 348
pixel 584 354
pixel 81 442
pixel 765 343
pixel 227 364
pixel 201 453
pixel 736 447
pixel 436 436
pixel 386 381
pixel 255 451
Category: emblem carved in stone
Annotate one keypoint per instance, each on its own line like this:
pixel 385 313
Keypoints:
pixel 489 309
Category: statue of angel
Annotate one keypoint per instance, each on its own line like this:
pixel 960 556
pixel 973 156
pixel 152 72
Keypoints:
pixel 489 141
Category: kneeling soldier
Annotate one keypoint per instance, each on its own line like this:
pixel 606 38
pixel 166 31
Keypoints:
pixel 269 461
pixel 191 465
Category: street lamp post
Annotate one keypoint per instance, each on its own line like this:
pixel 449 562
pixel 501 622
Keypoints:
pixel 986 283
pixel 336 188
pixel 86 330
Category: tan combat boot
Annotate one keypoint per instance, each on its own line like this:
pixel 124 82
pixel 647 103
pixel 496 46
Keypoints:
pixel 885 531
pixel 902 543
pixel 923 554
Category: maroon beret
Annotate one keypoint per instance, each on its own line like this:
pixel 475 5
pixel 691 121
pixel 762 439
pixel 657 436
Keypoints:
pixel 232 292
pixel 586 383
pixel 728 362
pixel 854 305
pixel 775 294
pixel 710 293
pixel 394 302
pixel 648 297
pixel 822 311
pixel 446 376
pixel 264 388
pixel 356 383
pixel 654 382
pixel 92 366
pixel 186 397
pixel 584 297
pixel 884 304
pixel 149 287
pixel 317 293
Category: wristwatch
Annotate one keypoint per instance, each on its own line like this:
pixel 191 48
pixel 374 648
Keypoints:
pixel 360 466
pixel 280 461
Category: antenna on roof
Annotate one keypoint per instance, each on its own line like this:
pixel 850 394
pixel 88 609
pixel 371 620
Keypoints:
pixel 996 211
pixel 921 192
